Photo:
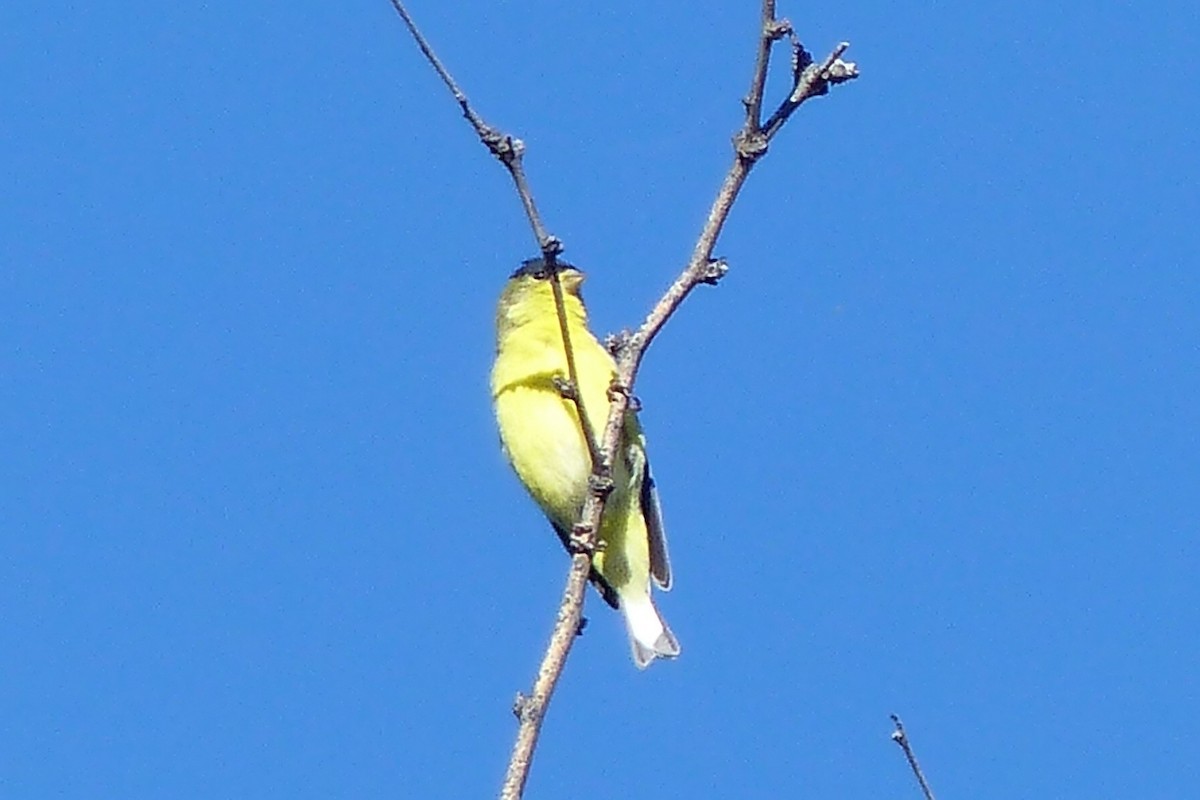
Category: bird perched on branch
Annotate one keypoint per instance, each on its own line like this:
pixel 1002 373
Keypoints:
pixel 546 445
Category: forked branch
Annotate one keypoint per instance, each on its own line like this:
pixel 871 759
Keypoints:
pixel 750 144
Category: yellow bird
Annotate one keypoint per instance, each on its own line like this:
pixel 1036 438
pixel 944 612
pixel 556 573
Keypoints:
pixel 542 438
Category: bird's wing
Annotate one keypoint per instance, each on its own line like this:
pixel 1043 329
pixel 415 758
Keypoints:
pixel 660 563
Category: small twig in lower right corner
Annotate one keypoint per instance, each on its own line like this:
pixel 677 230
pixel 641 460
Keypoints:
pixel 900 737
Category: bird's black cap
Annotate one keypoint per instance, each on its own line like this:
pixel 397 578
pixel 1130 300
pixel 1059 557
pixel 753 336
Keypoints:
pixel 536 268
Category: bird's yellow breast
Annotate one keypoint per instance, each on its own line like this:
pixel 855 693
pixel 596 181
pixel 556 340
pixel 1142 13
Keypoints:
pixel 542 438
pixel 541 432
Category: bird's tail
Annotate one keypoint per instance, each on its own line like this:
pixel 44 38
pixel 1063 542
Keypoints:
pixel 649 636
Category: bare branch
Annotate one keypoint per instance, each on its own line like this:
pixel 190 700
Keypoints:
pixel 531 710
pixel 900 737
pixel 750 144
pixel 749 147
pixel 701 268
pixel 574 394
pixel 768 33
pixel 812 81
pixel 508 149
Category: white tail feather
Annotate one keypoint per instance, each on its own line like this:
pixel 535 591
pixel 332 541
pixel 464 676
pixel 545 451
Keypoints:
pixel 649 636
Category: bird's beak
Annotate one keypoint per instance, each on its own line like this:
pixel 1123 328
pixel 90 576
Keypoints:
pixel 572 280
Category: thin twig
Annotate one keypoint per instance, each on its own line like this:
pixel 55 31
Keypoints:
pixel 749 145
pixel 575 392
pixel 758 81
pixel 813 81
pixel 510 151
pixel 900 737
pixel 531 710
pixel 436 63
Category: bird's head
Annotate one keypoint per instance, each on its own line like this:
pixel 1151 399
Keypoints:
pixel 529 292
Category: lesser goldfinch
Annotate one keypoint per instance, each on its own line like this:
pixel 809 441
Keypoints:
pixel 542 438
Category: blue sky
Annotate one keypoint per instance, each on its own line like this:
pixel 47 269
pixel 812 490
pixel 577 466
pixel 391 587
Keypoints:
pixel 931 448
